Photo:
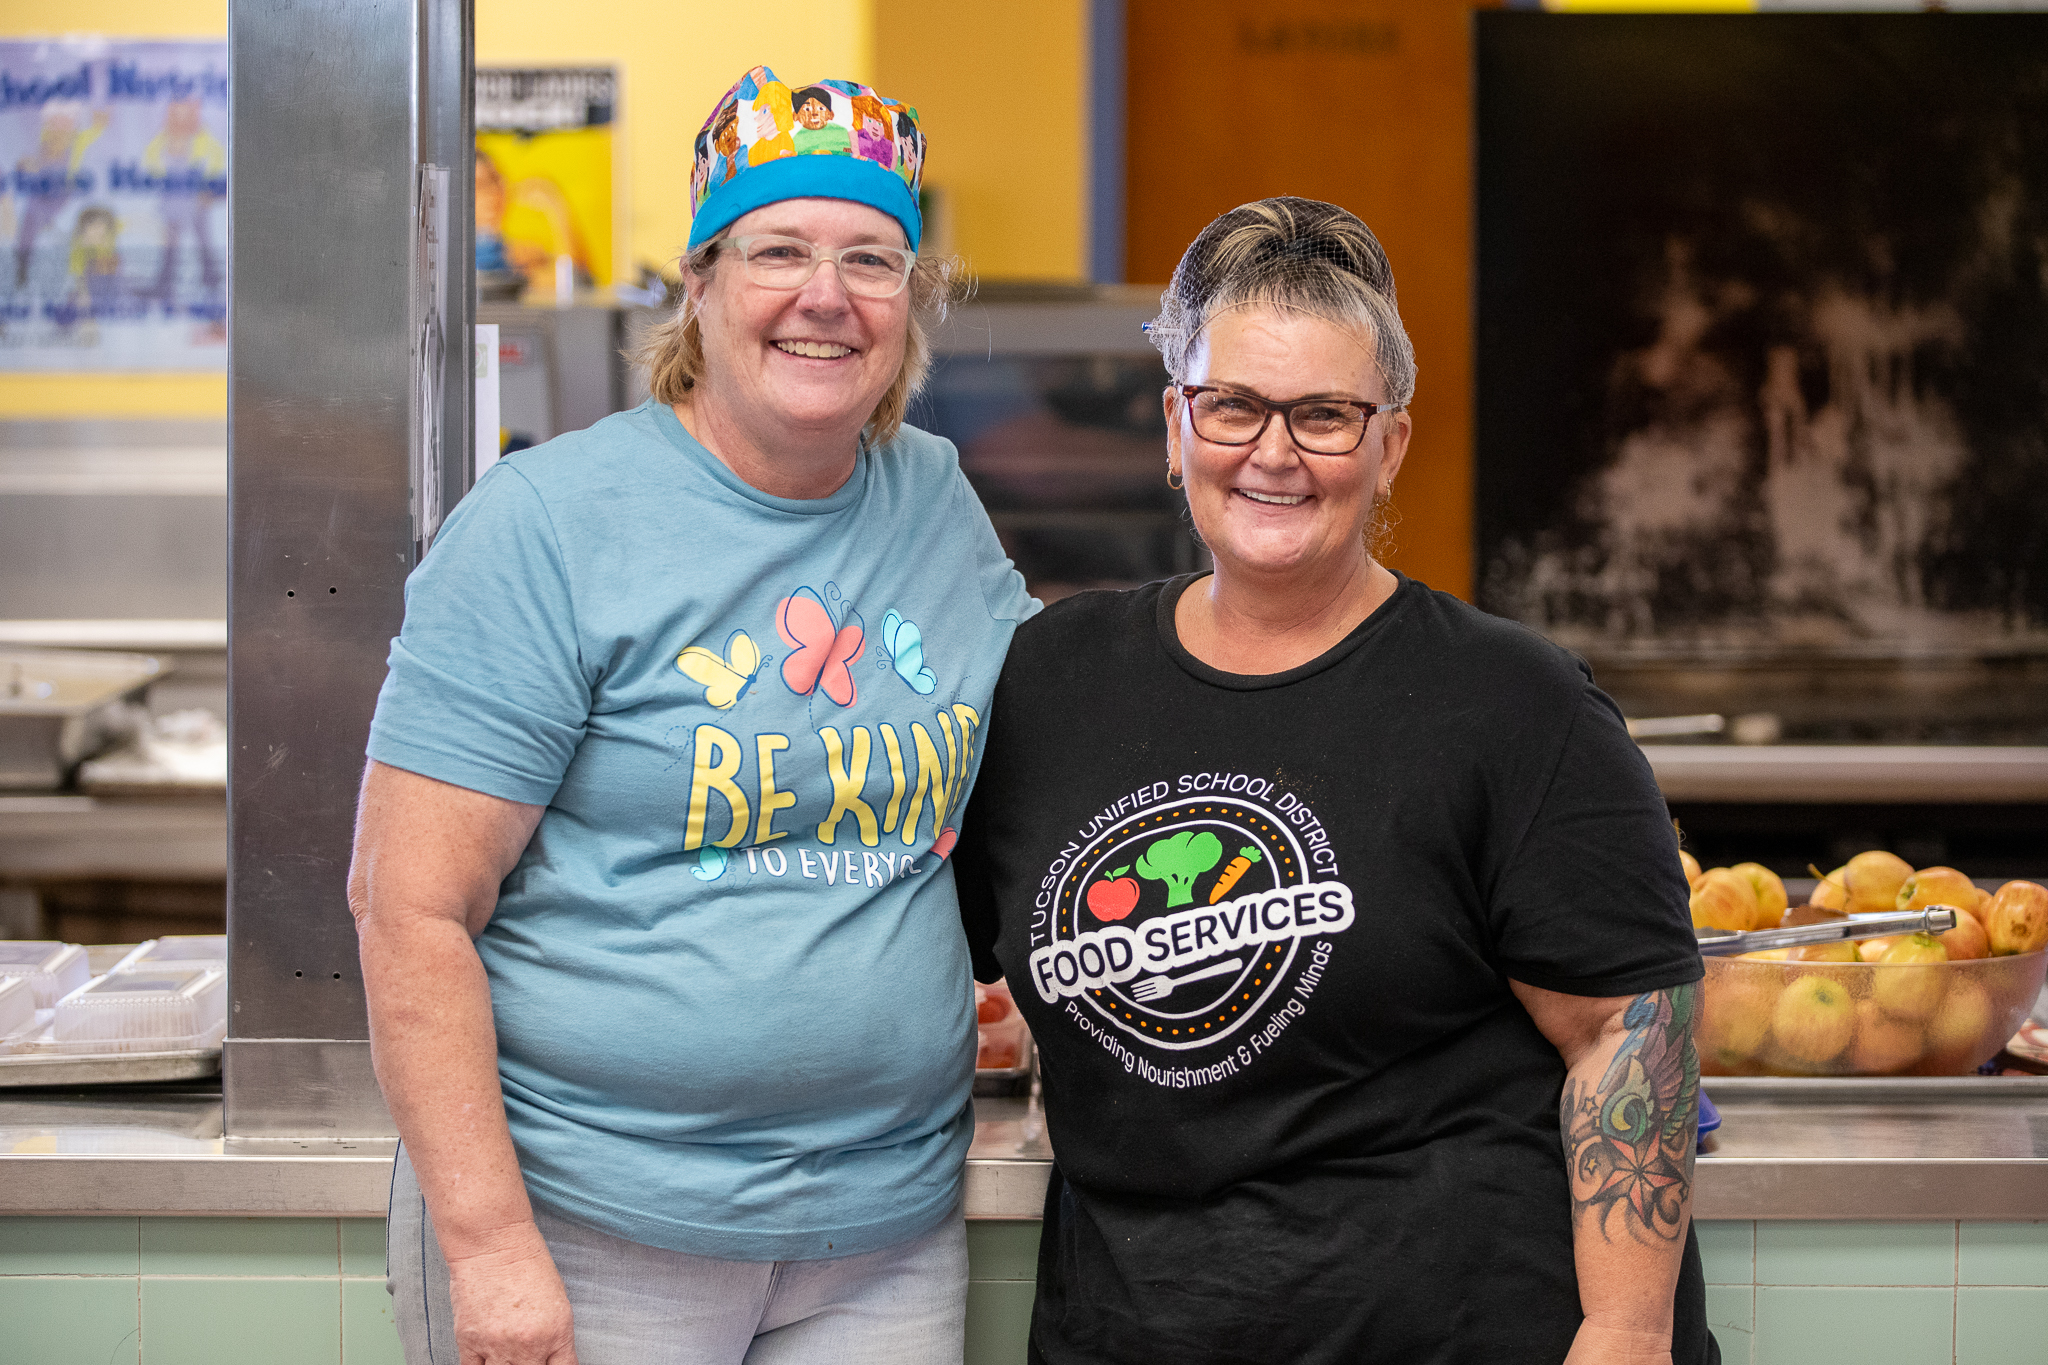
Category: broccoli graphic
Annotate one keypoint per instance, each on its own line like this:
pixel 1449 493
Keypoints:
pixel 1177 860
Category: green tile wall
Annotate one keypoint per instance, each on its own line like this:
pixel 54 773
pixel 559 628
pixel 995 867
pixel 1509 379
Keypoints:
pixel 1002 1276
pixel 222 1291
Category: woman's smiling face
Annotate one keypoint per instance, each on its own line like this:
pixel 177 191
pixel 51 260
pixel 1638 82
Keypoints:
pixel 1271 509
pixel 810 359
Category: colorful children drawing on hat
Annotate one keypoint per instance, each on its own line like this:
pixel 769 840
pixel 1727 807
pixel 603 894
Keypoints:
pixel 871 132
pixel 773 119
pixel 817 133
pixel 909 147
pixel 725 140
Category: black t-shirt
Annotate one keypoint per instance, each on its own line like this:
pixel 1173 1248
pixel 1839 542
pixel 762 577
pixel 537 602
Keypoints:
pixel 1263 928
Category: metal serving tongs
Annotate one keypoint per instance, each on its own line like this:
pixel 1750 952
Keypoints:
pixel 1935 919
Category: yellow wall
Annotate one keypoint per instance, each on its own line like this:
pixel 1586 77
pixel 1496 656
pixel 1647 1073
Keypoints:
pixel 1003 91
pixel 1005 104
pixel 674 62
pixel 114 395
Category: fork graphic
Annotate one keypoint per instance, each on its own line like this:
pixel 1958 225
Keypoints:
pixel 1159 987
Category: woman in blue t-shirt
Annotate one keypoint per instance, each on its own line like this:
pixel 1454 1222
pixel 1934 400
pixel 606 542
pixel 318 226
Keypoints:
pixel 667 986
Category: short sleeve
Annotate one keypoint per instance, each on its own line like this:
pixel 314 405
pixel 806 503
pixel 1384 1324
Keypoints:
pixel 1002 587
pixel 486 688
pixel 1593 901
pixel 974 882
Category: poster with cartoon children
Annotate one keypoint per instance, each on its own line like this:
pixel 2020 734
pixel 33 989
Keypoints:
pixel 113 203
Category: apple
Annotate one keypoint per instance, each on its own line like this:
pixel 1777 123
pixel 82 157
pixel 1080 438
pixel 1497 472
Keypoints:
pixel 1841 950
pixel 2017 920
pixel 1937 886
pixel 1967 941
pixel 1955 1035
pixel 1723 900
pixel 1832 890
pixel 1691 866
pixel 1736 1020
pixel 1873 949
pixel 1883 1045
pixel 1769 889
pixel 1813 1019
pixel 1910 982
pixel 1873 880
pixel 1114 897
pixel 1767 955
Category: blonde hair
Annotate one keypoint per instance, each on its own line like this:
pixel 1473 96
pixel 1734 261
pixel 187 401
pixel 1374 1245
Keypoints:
pixel 1300 255
pixel 673 350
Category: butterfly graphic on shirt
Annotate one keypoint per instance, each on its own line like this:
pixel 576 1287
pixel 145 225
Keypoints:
pixel 822 645
pixel 725 678
pixel 904 643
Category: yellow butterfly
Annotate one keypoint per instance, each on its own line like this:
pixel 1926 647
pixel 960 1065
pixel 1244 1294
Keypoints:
pixel 725 680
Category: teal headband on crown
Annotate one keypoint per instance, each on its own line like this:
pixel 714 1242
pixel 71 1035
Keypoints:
pixel 766 142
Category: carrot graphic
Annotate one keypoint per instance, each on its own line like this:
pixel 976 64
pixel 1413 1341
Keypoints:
pixel 1233 870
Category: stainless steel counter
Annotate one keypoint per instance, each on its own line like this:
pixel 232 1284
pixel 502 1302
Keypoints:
pixel 1850 772
pixel 1916 1149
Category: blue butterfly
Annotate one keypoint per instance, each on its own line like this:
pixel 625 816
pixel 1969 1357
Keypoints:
pixel 905 644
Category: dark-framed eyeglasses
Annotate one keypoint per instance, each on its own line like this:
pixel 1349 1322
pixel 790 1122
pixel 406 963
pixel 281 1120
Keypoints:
pixel 1321 426
pixel 873 272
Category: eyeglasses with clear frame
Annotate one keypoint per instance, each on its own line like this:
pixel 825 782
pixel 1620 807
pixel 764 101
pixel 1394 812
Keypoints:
pixel 1321 426
pixel 872 272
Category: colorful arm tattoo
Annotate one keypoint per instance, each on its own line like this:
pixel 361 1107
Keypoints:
pixel 1629 1140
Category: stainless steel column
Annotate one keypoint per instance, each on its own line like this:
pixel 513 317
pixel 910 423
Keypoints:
pixel 336 107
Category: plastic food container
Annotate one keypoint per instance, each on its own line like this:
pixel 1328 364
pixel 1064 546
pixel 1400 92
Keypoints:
pixel 177 952
pixel 1765 1018
pixel 147 1011
pixel 54 969
pixel 1004 1041
pixel 17 1011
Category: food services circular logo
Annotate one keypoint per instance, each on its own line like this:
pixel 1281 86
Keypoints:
pixel 1191 918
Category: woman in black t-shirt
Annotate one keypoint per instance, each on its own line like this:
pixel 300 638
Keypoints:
pixel 1347 918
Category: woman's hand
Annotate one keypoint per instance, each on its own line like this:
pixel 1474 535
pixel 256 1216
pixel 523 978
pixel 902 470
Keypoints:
pixel 510 1308
pixel 1601 1344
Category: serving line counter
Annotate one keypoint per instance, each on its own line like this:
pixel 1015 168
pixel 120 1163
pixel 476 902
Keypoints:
pixel 1843 1149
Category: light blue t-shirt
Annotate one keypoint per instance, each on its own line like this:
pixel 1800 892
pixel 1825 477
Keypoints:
pixel 730 982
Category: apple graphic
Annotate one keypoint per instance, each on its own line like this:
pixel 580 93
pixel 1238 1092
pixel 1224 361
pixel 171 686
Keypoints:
pixel 1115 896
pixel 1814 1019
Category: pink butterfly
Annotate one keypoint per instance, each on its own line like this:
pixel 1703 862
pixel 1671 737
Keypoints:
pixel 820 648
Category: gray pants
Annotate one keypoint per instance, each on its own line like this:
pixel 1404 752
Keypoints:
pixel 642 1305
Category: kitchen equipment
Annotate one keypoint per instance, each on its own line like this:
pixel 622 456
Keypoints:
pixel 177 952
pixel 150 1011
pixel 1935 919
pixel 53 969
pixel 58 706
pixel 17 1010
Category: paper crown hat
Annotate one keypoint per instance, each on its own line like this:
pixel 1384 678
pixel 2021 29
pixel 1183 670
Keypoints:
pixel 767 141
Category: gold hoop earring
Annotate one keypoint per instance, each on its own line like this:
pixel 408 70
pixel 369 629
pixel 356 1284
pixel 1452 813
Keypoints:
pixel 1171 475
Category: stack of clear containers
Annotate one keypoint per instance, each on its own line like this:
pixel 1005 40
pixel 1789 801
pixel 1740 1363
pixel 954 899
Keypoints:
pixel 53 969
pixel 177 952
pixel 17 1012
pixel 171 1010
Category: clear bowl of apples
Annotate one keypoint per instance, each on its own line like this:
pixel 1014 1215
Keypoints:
pixel 1913 1005
pixel 1886 1018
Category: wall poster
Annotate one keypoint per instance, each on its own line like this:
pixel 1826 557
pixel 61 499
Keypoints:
pixel 113 209
pixel 544 178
